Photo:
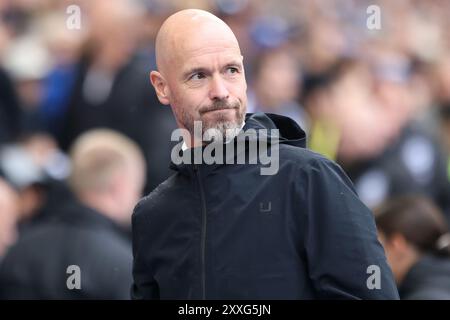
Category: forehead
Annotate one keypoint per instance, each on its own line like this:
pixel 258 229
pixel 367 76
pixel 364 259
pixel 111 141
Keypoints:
pixel 211 57
pixel 205 46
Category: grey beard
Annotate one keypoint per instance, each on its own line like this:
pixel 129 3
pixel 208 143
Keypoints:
pixel 222 132
pixel 221 129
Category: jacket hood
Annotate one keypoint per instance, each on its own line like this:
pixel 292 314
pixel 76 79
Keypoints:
pixel 289 131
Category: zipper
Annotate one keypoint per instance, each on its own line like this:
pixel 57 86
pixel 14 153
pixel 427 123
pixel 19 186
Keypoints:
pixel 203 234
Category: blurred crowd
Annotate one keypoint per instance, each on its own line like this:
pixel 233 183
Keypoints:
pixel 83 137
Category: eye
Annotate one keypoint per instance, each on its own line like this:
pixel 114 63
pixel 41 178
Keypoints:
pixel 232 70
pixel 197 76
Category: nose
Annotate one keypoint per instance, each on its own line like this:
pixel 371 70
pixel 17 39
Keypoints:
pixel 218 89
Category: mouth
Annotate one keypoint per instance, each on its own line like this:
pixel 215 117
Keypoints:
pixel 216 110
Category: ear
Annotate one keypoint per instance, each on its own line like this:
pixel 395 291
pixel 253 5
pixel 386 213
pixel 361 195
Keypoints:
pixel 160 85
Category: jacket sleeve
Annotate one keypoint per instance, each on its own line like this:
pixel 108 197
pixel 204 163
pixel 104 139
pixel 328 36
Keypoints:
pixel 344 257
pixel 144 285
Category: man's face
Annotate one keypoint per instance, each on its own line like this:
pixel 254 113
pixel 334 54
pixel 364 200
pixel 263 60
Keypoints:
pixel 206 83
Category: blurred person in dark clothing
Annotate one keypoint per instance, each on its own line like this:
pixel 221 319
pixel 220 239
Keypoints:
pixel 363 117
pixel 90 232
pixel 111 88
pixel 28 73
pixel 417 243
pixel 344 113
pixel 64 46
pixel 33 167
pixel 413 161
pixel 10 112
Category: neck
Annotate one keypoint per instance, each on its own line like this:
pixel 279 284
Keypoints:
pixel 102 203
pixel 406 266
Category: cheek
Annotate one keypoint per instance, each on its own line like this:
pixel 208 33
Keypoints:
pixel 243 86
pixel 239 91
pixel 190 100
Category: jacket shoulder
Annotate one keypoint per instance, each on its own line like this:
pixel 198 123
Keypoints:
pixel 312 165
pixel 156 198
pixel 303 157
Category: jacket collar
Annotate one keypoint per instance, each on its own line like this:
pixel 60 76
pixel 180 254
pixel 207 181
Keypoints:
pixel 289 133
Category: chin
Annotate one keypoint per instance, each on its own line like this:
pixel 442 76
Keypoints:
pixel 225 129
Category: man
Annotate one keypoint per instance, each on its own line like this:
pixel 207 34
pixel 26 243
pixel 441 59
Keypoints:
pixel 227 231
pixel 82 251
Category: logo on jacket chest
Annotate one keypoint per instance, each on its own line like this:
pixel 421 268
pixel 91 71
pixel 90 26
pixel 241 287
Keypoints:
pixel 265 207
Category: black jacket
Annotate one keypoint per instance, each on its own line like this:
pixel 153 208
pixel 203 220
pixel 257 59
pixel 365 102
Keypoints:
pixel 227 232
pixel 37 266
pixel 428 279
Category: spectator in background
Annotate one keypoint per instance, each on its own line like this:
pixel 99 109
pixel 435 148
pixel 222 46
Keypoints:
pixel 277 92
pixel 65 47
pixel 413 160
pixel 344 112
pixel 363 117
pixel 28 72
pixel 111 87
pixel 8 216
pixel 10 112
pixel 34 167
pixel 107 179
pixel 416 239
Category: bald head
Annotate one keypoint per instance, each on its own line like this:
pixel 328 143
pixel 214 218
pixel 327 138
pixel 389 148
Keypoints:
pixel 189 30
pixel 200 73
